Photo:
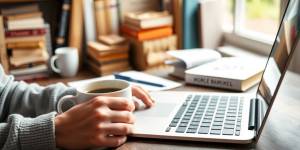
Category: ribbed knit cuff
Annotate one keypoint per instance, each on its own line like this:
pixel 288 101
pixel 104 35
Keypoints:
pixel 38 133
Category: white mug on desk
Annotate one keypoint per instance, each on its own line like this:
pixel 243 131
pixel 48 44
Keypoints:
pixel 65 61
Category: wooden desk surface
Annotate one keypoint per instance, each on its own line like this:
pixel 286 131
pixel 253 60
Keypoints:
pixel 282 130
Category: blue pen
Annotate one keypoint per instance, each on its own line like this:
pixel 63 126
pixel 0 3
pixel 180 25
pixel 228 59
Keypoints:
pixel 122 77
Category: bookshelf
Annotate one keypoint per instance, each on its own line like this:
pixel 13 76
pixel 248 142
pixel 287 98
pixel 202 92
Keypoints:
pixel 50 9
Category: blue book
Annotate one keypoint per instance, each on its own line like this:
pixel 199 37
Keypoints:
pixel 190 24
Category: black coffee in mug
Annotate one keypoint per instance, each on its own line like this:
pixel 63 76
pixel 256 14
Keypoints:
pixel 104 90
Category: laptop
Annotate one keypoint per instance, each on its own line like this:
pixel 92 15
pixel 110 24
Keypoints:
pixel 223 117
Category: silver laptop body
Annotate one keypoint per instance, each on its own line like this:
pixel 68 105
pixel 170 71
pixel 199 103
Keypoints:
pixel 222 117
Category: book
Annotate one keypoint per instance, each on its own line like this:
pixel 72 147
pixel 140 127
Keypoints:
pixel 177 15
pixel 3 52
pixel 167 5
pixel 29 70
pixel 112 39
pixel 190 24
pixel 18 61
pixel 61 37
pixel 76 28
pixel 141 50
pixel 29 65
pixel 19 53
pixel 146 20
pixel 40 38
pixel 89 20
pixel 108 68
pixel 20 10
pixel 106 17
pixel 25 45
pixel 26 32
pixel 148 34
pixel 108 58
pixel 157 58
pixel 129 6
pixel 210 23
pixel 25 23
pixel 48 41
pixel 33 77
pixel 232 73
pixel 102 48
pixel 24 16
pixel 187 59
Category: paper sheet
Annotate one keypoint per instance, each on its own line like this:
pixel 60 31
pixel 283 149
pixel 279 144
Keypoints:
pixel 168 84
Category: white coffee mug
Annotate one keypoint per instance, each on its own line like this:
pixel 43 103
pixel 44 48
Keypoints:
pixel 65 61
pixel 90 90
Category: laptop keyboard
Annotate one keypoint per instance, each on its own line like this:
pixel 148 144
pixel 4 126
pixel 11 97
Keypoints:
pixel 206 114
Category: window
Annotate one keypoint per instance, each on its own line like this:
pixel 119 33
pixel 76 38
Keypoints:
pixel 254 20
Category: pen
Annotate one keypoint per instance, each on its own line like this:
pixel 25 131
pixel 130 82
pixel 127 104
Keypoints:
pixel 122 77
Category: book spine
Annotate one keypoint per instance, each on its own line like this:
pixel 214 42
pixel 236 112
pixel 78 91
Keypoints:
pixel 177 15
pixel 63 24
pixel 113 16
pixel 89 15
pixel 213 82
pixel 76 28
pixel 3 52
pixel 100 18
pixel 24 33
pixel 190 24
pixel 48 44
pixel 106 16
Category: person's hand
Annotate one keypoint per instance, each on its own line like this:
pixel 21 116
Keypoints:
pixel 143 95
pixel 99 122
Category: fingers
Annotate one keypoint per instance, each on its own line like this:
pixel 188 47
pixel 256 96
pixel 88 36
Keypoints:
pixel 122 117
pixel 118 129
pixel 142 95
pixel 114 141
pixel 114 103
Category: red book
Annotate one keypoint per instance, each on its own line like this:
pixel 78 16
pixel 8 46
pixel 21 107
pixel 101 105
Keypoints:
pixel 27 32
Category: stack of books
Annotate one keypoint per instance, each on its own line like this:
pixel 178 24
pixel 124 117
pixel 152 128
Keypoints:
pixel 109 55
pixel 27 41
pixel 151 34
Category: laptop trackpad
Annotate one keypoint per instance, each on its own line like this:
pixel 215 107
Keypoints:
pixel 158 110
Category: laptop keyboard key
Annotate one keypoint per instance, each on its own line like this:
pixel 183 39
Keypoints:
pixel 228 131
pixel 203 130
pixel 172 124
pixel 180 129
pixel 227 126
pixel 204 124
pixel 168 129
pixel 191 130
pixel 216 127
pixel 237 133
pixel 217 123
pixel 215 132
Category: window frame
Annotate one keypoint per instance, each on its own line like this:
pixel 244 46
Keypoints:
pixel 250 40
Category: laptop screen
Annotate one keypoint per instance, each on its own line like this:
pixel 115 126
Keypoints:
pixel 283 46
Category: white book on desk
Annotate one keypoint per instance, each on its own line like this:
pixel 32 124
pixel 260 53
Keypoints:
pixel 233 73
pixel 187 59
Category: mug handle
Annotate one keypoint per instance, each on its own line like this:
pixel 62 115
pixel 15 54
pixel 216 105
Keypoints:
pixel 65 103
pixel 52 63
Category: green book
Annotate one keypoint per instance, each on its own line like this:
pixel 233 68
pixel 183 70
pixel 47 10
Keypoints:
pixel 190 24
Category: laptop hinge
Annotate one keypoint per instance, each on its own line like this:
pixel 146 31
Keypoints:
pixel 254 117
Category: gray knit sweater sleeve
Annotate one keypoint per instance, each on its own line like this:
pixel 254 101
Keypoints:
pixel 27 113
